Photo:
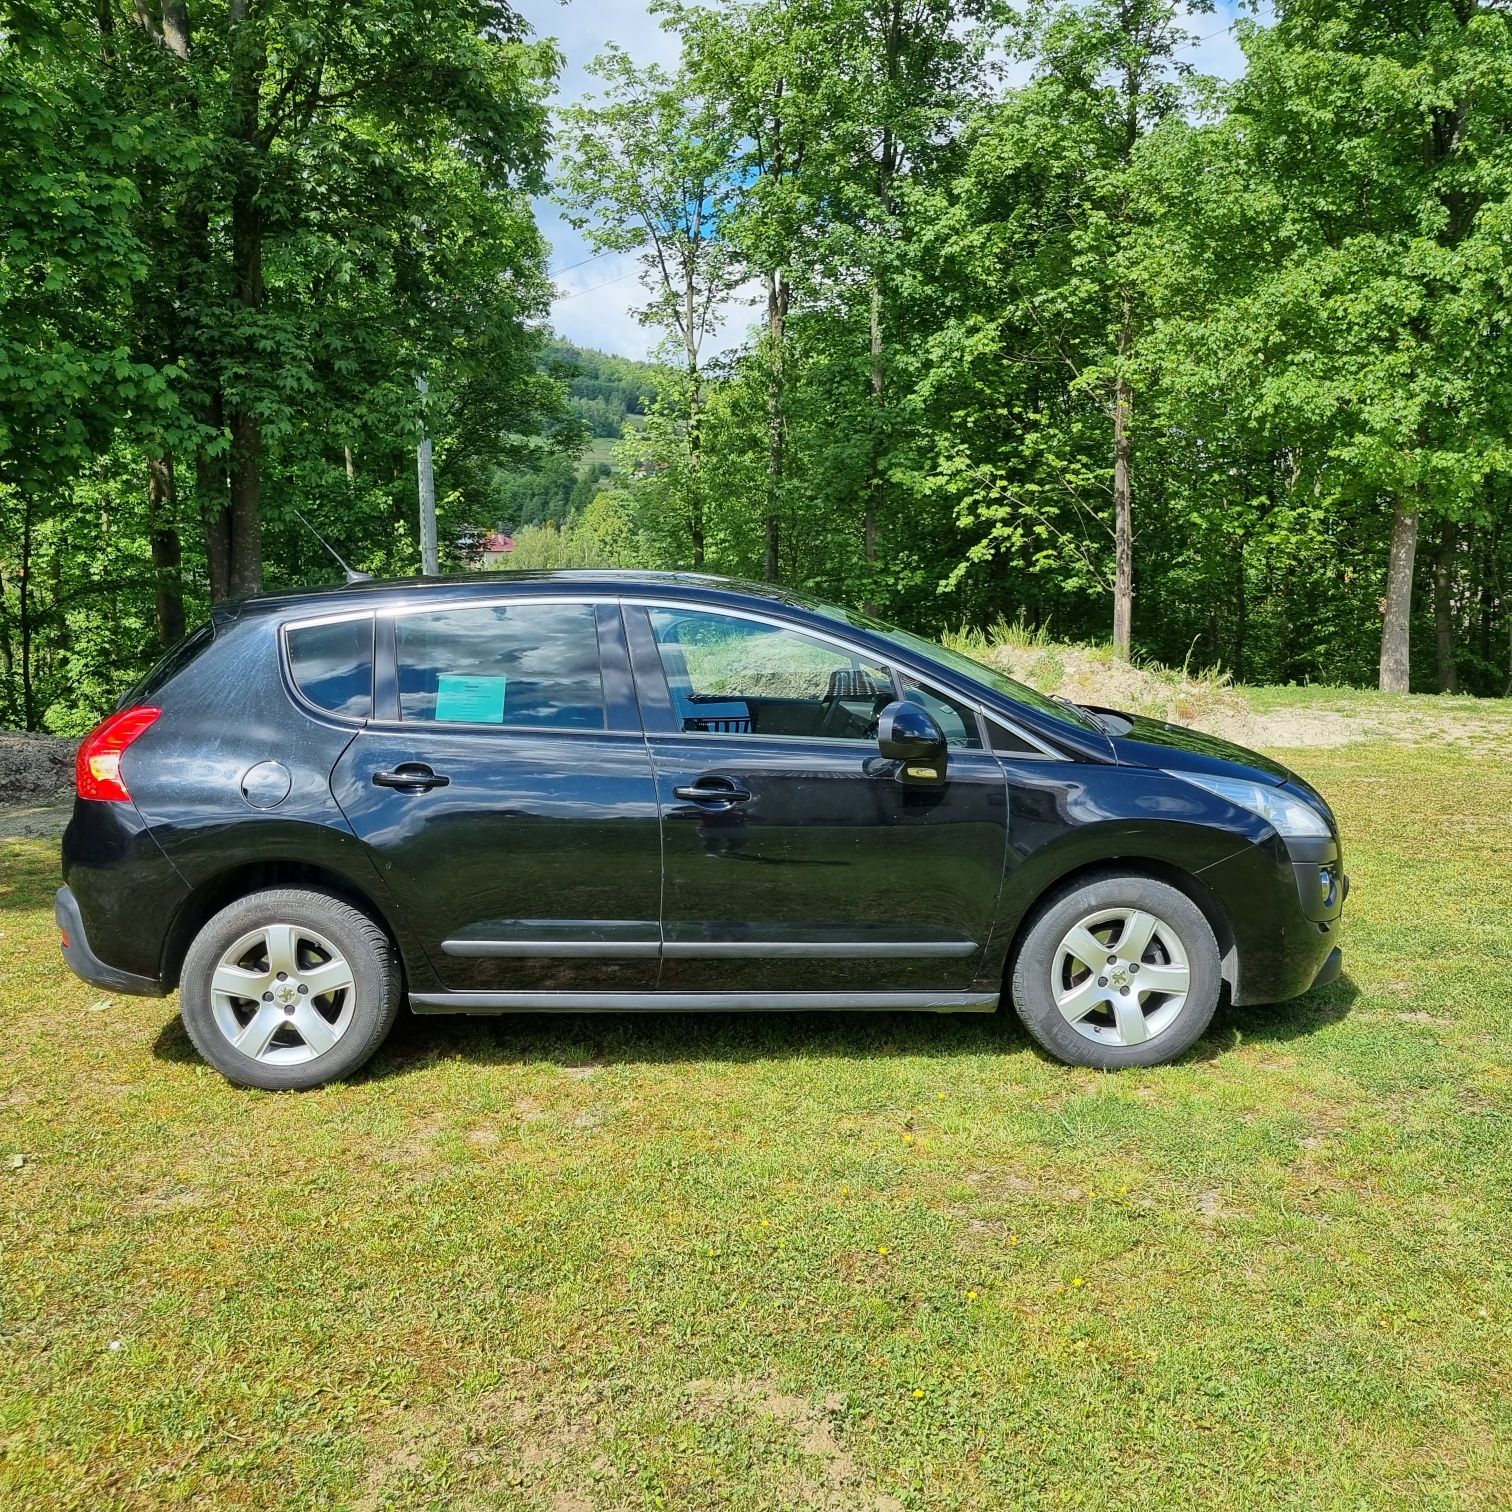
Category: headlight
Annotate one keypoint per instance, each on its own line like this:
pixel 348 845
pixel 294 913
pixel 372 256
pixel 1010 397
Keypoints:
pixel 1292 817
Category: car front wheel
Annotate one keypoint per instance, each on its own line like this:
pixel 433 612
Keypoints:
pixel 288 989
pixel 1120 970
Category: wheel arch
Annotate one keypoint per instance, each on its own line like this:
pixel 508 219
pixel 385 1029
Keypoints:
pixel 225 887
pixel 1157 870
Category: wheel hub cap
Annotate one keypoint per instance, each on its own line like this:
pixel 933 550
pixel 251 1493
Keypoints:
pixel 283 994
pixel 1120 976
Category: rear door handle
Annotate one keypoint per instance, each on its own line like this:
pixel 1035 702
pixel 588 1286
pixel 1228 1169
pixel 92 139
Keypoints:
pixel 411 777
pixel 716 790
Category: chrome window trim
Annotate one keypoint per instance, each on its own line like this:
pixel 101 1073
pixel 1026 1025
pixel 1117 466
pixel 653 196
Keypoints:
pixel 608 595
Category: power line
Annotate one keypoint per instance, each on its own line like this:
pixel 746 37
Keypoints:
pixel 562 299
pixel 583 264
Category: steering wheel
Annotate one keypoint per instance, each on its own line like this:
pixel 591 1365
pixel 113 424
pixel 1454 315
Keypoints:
pixel 854 683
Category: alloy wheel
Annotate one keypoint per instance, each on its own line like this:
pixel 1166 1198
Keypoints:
pixel 1120 976
pixel 282 994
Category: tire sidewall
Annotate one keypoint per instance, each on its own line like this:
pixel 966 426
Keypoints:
pixel 375 979
pixel 1031 982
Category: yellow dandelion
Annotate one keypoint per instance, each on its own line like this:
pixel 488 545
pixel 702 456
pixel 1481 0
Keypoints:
pixel 782 1244
pixel 918 1393
pixel 845 1191
pixel 766 1223
pixel 1123 1190
pixel 1013 1238
pixel 971 1296
pixel 1091 1195
pixel 940 1095
pixel 711 1250
pixel 1077 1281
pixel 908 1139
pixel 882 1249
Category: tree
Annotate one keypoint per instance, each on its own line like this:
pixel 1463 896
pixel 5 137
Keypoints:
pixel 1386 124
pixel 650 170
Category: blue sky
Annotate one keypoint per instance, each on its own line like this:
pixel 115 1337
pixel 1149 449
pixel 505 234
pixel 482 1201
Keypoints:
pixel 596 298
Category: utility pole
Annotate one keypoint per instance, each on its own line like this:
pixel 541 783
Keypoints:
pixel 430 563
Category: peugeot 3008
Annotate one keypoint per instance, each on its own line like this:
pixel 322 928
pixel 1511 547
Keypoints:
pixel 594 791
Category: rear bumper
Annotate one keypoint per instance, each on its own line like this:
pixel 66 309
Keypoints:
pixel 85 964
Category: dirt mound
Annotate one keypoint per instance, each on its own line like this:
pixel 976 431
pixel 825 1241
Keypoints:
pixel 1094 675
pixel 35 768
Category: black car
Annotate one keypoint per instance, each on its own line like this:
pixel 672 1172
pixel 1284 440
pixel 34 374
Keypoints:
pixel 555 792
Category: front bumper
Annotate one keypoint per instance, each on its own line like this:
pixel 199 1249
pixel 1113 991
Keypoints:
pixel 85 964
pixel 1284 905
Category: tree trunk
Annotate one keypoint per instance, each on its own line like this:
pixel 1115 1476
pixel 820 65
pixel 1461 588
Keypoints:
pixel 250 63
pixel 869 525
pixel 1123 521
pixel 1396 666
pixel 210 479
pixel 777 306
pixel 7 655
pixel 167 549
pixel 1443 607
pixel 28 692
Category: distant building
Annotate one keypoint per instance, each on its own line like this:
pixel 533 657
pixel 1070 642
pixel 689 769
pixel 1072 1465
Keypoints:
pixel 493 549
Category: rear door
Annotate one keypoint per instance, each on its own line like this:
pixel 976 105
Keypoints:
pixel 506 793
pixel 794 858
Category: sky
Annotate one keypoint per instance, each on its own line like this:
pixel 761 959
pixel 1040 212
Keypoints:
pixel 597 296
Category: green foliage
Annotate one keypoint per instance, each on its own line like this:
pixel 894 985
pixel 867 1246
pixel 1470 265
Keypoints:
pixel 233 236
pixel 1248 341
pixel 1294 288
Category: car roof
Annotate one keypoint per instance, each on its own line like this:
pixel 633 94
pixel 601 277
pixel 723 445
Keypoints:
pixel 332 598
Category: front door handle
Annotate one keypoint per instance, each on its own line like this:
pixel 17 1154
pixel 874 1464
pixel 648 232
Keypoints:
pixel 411 777
pixel 717 790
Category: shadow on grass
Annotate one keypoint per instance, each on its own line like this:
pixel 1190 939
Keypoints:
pixel 579 1039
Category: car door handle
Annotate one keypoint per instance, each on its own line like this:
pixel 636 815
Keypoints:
pixel 411 777
pixel 712 790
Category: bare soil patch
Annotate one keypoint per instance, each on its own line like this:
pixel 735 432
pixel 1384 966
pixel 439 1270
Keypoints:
pixel 35 768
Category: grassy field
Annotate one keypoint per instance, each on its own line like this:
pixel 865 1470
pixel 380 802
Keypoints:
pixel 758 1263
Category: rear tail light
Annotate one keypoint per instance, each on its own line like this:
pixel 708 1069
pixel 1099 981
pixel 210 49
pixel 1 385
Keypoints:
pixel 97 769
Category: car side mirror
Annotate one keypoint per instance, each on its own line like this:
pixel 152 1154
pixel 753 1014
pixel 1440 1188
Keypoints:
pixel 907 732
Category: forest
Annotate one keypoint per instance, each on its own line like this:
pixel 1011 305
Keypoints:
pixel 1039 323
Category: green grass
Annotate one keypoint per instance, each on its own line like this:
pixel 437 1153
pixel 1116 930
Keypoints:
pixel 761 1263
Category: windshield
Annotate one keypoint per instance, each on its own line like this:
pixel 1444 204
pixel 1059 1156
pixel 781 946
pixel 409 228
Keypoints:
pixel 967 666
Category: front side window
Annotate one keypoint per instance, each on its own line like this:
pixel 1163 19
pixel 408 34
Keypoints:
pixel 332 665
pixel 529 665
pixel 732 676
pixel 957 722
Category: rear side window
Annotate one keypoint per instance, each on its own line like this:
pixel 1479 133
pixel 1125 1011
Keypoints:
pixel 530 665
pixel 332 665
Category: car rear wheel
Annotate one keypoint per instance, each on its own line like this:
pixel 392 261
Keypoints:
pixel 289 988
pixel 1120 970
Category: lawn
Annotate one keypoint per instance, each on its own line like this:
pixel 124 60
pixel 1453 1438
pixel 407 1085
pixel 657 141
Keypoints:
pixel 787 1262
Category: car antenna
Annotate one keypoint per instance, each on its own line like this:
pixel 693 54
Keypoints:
pixel 352 574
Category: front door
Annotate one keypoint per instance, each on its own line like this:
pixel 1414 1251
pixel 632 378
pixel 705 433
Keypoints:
pixel 794 859
pixel 507 796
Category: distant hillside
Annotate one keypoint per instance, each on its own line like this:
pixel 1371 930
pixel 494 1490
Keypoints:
pixel 607 393
pixel 605 390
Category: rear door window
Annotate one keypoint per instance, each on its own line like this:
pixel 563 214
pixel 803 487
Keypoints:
pixel 531 666
pixel 332 665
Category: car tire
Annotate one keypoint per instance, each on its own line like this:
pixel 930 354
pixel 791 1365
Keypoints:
pixel 1119 970
pixel 289 988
